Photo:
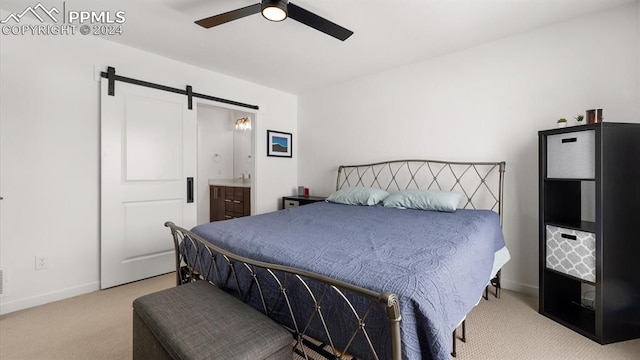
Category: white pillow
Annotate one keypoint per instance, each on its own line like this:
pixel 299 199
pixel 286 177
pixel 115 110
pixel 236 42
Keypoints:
pixel 424 200
pixel 358 196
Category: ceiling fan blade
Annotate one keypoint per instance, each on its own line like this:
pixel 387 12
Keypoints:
pixel 317 22
pixel 228 16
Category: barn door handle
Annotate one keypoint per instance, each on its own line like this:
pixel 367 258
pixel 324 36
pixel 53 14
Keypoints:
pixel 189 190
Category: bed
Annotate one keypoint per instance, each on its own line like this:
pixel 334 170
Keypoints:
pixel 370 281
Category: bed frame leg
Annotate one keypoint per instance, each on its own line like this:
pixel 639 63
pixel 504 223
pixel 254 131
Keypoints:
pixel 453 352
pixel 496 283
pixel 463 338
pixel 464 331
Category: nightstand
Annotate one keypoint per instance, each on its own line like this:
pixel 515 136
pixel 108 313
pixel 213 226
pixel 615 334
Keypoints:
pixel 294 201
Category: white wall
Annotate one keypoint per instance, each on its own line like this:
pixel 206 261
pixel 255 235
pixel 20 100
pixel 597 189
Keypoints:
pixel 485 103
pixel 49 168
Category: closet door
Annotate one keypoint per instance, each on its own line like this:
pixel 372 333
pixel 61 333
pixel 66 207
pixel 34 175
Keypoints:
pixel 148 151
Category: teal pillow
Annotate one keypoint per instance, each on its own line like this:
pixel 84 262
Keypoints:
pixel 435 200
pixel 358 196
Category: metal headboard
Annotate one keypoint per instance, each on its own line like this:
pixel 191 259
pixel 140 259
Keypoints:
pixel 481 183
pixel 198 259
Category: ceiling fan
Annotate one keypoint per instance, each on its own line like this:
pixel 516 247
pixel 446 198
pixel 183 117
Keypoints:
pixel 278 10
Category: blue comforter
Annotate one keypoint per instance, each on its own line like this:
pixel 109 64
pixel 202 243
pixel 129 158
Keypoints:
pixel 437 263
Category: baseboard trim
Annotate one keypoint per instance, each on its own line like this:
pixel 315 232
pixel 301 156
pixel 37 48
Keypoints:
pixel 20 304
pixel 519 287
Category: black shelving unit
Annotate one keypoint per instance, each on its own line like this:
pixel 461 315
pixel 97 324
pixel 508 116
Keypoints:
pixel 590 229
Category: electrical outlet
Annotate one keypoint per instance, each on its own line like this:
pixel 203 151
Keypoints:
pixel 42 262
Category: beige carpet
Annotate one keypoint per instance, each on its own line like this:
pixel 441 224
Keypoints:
pixel 92 326
pixel 511 328
pixel 98 326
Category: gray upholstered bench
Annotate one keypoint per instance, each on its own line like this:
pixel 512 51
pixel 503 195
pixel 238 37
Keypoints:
pixel 200 321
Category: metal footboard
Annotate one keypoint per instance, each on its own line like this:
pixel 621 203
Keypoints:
pixel 269 288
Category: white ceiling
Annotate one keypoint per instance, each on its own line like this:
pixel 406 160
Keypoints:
pixel 295 58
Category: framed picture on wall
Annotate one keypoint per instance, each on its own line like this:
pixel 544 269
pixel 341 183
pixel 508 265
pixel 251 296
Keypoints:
pixel 278 144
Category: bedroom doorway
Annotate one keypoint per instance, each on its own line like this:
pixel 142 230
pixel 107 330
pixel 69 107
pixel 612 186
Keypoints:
pixel 148 167
pixel 225 152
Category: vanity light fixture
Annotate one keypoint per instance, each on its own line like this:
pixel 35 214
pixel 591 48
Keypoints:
pixel 243 124
pixel 274 10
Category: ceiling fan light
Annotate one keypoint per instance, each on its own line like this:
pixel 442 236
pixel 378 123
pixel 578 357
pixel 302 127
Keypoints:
pixel 274 10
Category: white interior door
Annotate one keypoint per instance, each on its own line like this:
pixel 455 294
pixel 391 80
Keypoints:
pixel 148 145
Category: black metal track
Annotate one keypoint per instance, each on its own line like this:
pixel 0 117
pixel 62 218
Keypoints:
pixel 110 74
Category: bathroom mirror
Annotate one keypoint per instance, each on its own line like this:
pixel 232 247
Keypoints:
pixel 242 154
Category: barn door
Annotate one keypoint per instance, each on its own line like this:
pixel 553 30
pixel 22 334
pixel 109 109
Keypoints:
pixel 148 172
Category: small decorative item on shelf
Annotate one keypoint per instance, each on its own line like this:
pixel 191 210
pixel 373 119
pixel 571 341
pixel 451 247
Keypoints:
pixel 594 116
pixel 562 123
pixel 579 119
